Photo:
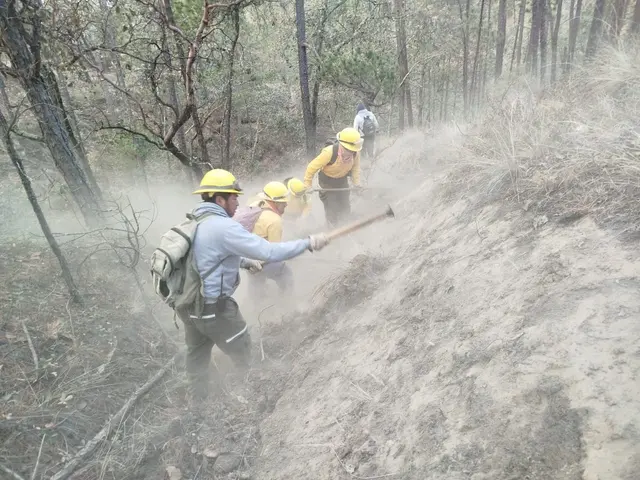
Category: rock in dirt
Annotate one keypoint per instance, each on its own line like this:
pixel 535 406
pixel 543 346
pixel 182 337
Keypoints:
pixel 227 463
pixel 211 453
pixel 174 473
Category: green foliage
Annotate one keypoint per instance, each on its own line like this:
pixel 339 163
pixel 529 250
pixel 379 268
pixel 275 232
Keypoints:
pixel 368 72
pixel 188 13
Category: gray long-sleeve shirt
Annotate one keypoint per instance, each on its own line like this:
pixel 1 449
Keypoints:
pixel 222 241
pixel 358 122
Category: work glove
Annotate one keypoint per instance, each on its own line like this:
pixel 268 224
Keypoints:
pixel 318 242
pixel 254 266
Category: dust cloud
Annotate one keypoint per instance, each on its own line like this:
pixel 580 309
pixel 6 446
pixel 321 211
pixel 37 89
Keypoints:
pixel 463 340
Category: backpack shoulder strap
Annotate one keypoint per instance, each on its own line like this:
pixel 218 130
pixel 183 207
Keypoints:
pixel 208 273
pixel 334 153
pixel 199 218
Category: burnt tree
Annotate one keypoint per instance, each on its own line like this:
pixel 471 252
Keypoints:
pixel 6 131
pixel 21 32
pixel 502 36
pixel 596 28
pixel 303 71
pixel 228 91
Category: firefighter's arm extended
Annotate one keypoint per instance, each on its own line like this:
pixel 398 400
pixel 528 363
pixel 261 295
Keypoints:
pixel 237 241
pixel 316 165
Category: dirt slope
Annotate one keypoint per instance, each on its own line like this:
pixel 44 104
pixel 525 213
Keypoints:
pixel 469 344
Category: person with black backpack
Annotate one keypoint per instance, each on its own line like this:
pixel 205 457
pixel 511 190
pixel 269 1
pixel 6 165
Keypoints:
pixel 336 163
pixel 367 125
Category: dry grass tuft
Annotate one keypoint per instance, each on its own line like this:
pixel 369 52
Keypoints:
pixel 573 151
pixel 349 287
pixel 67 368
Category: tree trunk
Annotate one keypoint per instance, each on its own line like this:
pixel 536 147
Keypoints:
pixel 534 37
pixel 303 71
pixel 554 41
pixel 5 131
pixel 66 107
pixel 174 100
pixel 517 44
pixel 447 87
pixel 574 26
pixel 4 98
pixel 618 12
pixel 409 105
pixel 23 50
pixel 464 18
pixel 544 29
pixel 403 64
pixel 476 56
pixel 502 36
pixel 110 41
pixel 635 23
pixel 420 107
pixel 228 94
pixel 596 29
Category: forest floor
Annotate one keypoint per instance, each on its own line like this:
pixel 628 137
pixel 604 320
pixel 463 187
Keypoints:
pixel 490 331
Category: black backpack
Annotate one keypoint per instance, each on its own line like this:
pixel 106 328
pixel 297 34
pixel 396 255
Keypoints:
pixel 334 153
pixel 368 126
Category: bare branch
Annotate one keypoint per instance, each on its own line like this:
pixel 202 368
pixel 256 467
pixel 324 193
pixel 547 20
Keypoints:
pixel 133 132
pixel 113 422
pixel 10 472
pixel 145 119
pixel 34 354
pixel 154 86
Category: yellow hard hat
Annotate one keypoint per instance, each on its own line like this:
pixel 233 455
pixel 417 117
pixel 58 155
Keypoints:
pixel 296 186
pixel 275 192
pixel 350 139
pixel 219 181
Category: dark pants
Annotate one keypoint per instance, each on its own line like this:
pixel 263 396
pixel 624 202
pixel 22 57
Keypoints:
pixel 368 145
pixel 336 204
pixel 221 324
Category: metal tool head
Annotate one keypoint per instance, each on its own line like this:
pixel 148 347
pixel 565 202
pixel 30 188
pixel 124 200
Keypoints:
pixel 389 212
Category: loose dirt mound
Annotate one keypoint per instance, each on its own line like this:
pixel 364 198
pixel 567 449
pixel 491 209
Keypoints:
pixel 488 349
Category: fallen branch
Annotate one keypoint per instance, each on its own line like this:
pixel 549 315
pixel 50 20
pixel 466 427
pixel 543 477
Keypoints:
pixel 35 469
pixel 34 354
pixel 10 472
pixel 106 431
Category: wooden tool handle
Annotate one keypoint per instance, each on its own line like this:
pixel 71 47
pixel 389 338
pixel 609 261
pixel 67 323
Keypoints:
pixel 341 189
pixel 339 232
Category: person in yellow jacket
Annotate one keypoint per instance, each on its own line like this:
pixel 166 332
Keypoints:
pixel 334 165
pixel 273 201
pixel 299 204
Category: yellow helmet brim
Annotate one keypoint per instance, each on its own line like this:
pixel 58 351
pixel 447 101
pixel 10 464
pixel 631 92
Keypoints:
pixel 353 147
pixel 217 190
pixel 264 196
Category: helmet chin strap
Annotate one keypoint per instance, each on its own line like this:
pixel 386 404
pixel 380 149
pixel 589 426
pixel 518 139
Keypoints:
pixel 274 206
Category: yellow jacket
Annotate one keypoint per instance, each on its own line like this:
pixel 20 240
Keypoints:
pixel 338 170
pixel 298 206
pixel 269 224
